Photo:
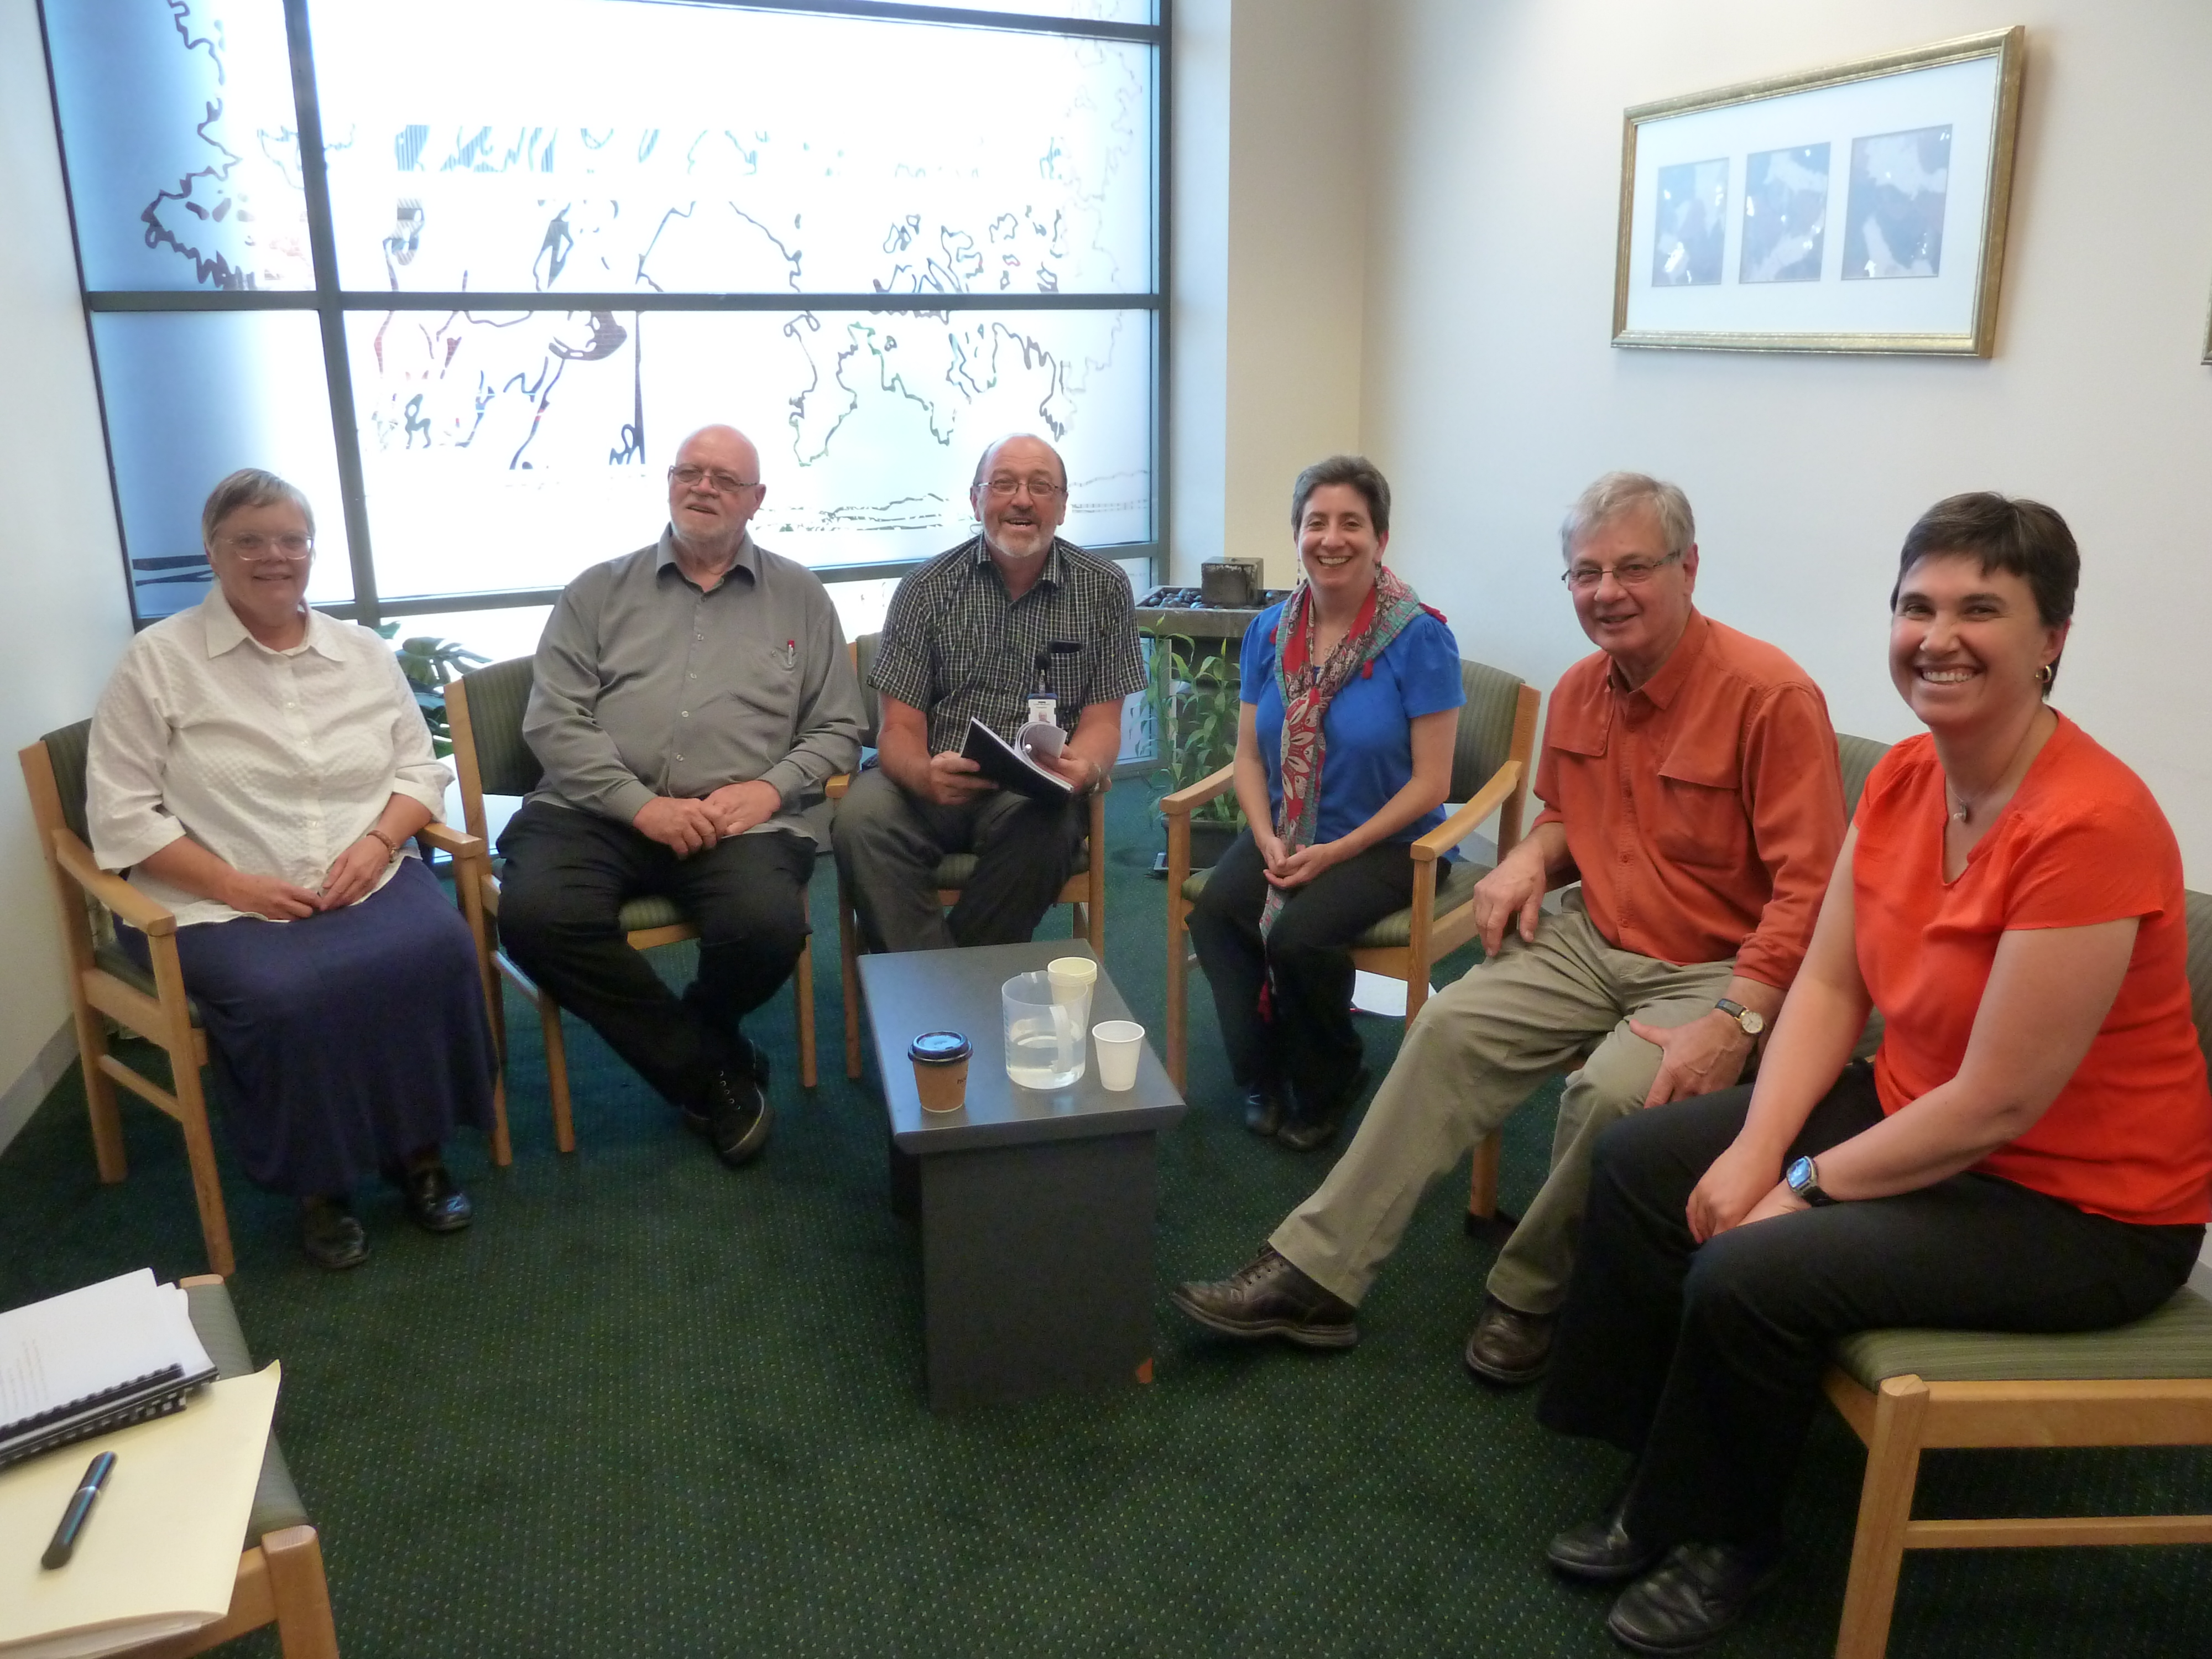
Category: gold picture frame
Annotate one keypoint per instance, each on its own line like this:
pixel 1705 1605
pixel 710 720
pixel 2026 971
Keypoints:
pixel 1868 171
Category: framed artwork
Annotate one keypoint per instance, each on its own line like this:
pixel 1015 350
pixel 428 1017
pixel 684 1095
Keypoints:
pixel 1860 208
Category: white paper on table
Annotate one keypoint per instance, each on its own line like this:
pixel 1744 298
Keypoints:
pixel 1378 993
pixel 159 1553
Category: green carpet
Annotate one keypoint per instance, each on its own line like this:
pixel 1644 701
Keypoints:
pixel 646 1405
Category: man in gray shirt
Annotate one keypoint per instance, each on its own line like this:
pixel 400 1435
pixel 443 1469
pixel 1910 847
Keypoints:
pixel 690 699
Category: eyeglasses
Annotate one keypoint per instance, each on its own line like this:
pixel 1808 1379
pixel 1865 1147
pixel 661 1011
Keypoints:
pixel 1629 573
pixel 1041 490
pixel 254 548
pixel 722 483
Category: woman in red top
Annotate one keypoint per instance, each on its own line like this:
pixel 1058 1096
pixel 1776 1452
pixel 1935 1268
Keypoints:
pixel 2030 1149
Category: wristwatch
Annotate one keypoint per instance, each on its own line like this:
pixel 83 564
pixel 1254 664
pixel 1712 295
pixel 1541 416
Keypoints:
pixel 1750 1019
pixel 1802 1177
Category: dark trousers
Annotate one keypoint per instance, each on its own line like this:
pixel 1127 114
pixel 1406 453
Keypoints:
pixel 1706 1362
pixel 1307 1037
pixel 889 844
pixel 567 876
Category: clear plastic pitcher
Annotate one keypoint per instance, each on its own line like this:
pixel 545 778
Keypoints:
pixel 1044 1036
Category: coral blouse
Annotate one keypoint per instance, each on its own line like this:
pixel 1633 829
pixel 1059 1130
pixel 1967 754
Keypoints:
pixel 2081 841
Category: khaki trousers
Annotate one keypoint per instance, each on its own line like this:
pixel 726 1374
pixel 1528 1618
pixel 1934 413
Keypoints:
pixel 1477 1048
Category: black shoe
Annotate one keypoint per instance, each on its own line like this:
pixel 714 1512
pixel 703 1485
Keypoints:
pixel 1601 1552
pixel 1689 1598
pixel 734 1117
pixel 1509 1346
pixel 1309 1129
pixel 1268 1296
pixel 436 1205
pixel 1263 1108
pixel 330 1235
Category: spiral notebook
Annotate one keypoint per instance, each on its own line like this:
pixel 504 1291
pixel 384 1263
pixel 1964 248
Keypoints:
pixel 90 1360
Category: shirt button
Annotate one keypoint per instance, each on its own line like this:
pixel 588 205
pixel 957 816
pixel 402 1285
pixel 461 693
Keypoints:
pixel 687 713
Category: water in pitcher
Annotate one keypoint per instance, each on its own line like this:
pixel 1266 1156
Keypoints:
pixel 1045 1047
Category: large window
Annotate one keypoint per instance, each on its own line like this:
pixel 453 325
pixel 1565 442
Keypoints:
pixel 467 270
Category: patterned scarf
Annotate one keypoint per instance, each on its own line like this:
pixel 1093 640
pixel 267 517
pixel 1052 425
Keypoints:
pixel 1308 690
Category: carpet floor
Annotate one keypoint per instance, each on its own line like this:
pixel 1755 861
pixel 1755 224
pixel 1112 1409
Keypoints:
pixel 646 1405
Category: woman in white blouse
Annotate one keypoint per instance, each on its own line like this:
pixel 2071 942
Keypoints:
pixel 258 767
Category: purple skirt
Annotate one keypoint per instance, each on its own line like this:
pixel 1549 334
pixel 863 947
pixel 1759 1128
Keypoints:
pixel 342 1043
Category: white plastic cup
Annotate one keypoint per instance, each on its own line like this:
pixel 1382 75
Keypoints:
pixel 1073 979
pixel 1119 1042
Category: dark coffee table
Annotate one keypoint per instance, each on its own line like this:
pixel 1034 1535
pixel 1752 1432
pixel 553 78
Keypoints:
pixel 1035 1209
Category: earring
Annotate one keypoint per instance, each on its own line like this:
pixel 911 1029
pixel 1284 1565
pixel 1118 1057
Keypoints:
pixel 2046 674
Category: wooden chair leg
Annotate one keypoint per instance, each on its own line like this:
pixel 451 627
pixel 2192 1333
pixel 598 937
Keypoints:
pixel 1482 1191
pixel 848 952
pixel 804 976
pixel 100 1094
pixel 1885 1507
pixel 1178 990
pixel 301 1592
pixel 502 1141
pixel 556 1072
pixel 199 1152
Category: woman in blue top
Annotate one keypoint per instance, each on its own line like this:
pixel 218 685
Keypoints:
pixel 1344 752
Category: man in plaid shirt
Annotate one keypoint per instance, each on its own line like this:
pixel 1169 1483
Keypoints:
pixel 969 635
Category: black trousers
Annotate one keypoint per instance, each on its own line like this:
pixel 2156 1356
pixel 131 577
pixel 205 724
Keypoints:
pixel 1706 1362
pixel 1310 1041
pixel 567 876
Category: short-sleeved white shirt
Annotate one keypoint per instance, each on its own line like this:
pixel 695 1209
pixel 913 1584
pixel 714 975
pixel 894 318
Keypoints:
pixel 274 761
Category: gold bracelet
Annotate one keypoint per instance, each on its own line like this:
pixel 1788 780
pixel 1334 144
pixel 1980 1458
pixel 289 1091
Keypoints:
pixel 390 847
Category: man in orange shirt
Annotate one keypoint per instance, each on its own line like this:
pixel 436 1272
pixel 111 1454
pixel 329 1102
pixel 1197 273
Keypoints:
pixel 1690 783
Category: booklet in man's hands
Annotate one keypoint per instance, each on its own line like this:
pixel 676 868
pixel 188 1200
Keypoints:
pixel 1024 765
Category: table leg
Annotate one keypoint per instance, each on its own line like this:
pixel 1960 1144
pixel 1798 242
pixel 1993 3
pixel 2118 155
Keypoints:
pixel 1038 1266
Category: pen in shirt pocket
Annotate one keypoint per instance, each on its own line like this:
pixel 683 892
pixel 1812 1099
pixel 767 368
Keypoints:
pixel 791 653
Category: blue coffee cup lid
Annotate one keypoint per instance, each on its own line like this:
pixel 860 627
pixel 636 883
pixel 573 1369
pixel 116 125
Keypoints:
pixel 939 1047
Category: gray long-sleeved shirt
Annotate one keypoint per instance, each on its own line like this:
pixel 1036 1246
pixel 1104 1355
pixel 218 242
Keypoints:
pixel 646 686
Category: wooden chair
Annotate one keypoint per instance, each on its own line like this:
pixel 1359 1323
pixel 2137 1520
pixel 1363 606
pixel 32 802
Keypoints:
pixel 484 711
pixel 1084 892
pixel 1906 1391
pixel 104 981
pixel 1493 757
pixel 280 1574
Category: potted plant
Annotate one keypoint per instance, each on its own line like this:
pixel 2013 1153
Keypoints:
pixel 1191 706
pixel 430 665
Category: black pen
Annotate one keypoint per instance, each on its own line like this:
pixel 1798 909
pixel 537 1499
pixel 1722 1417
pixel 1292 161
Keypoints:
pixel 80 1507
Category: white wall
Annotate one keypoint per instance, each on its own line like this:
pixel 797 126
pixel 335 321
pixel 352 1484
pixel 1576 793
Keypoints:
pixel 1270 265
pixel 1492 394
pixel 68 619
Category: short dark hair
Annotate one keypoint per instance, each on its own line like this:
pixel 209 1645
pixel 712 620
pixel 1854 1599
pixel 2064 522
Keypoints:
pixel 2012 534
pixel 1357 470
pixel 249 487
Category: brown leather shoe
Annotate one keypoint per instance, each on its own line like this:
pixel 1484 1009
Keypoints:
pixel 1268 1296
pixel 1601 1552
pixel 1508 1346
pixel 1690 1598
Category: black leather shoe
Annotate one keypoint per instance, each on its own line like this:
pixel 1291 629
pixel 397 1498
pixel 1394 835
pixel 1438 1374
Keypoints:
pixel 1268 1296
pixel 1306 1130
pixel 1689 1598
pixel 330 1235
pixel 1263 1108
pixel 734 1117
pixel 1509 1346
pixel 1601 1552
pixel 436 1205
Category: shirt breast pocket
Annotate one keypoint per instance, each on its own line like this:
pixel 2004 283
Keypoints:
pixel 1700 819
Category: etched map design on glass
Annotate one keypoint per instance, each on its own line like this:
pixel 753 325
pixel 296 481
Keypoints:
pixel 616 151
pixel 1785 215
pixel 183 144
pixel 1692 224
pixel 1894 225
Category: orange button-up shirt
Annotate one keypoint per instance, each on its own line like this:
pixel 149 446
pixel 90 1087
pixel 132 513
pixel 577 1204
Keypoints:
pixel 1704 809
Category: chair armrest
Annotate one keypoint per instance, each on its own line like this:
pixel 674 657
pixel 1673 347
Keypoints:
pixel 149 916
pixel 1460 824
pixel 451 841
pixel 835 789
pixel 1179 804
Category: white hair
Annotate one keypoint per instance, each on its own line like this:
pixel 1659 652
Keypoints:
pixel 1618 494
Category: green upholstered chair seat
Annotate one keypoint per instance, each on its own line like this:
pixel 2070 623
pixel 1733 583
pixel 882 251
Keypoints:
pixel 109 958
pixel 276 1499
pixel 652 911
pixel 1455 886
pixel 2175 1341
pixel 955 872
